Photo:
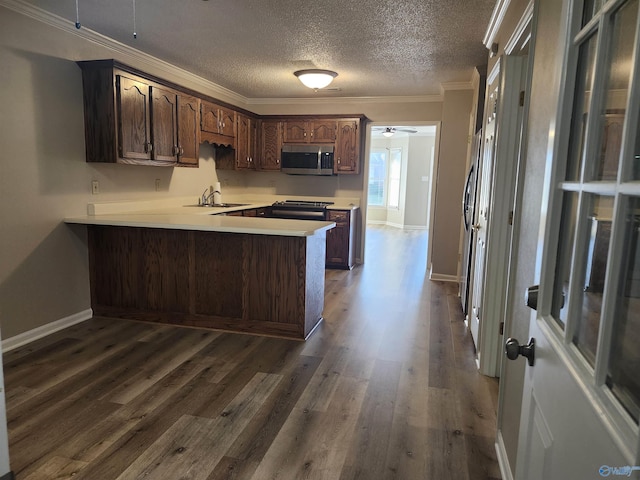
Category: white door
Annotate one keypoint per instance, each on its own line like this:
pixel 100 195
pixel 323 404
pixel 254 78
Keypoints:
pixel 481 216
pixel 581 398
pixel 492 227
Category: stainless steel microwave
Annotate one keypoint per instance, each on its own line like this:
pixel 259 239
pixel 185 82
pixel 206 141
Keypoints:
pixel 307 159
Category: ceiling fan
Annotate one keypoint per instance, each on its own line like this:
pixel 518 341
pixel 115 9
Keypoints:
pixel 389 131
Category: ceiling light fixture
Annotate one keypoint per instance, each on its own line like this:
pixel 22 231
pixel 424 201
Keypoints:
pixel 315 78
pixel 388 132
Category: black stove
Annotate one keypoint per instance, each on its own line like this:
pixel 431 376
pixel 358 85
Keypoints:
pixel 300 209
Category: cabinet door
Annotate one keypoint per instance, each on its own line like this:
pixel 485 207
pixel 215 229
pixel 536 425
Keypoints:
pixel 254 140
pixel 271 145
pixel 296 131
pixel 323 131
pixel 209 117
pixel 243 130
pixel 164 125
pixel 133 119
pixel 339 240
pixel 227 122
pixel 188 130
pixel 347 154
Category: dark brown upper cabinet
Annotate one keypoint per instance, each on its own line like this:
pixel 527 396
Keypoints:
pixel 217 124
pixel 349 144
pixel 309 131
pixel 131 120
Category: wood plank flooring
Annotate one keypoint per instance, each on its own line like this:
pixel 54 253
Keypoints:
pixel 386 388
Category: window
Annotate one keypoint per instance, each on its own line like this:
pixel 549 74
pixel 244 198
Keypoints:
pixel 377 176
pixel 596 295
pixel 385 168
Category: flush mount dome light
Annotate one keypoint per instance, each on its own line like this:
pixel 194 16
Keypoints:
pixel 388 132
pixel 315 78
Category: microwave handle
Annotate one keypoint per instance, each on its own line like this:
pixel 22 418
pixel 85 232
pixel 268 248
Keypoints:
pixel 319 159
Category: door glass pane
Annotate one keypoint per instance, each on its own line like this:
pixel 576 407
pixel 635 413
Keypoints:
pixel 598 227
pixel 584 77
pixel 624 359
pixel 617 90
pixel 563 266
pixel 591 7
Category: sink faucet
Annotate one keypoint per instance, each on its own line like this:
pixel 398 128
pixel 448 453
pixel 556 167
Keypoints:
pixel 207 199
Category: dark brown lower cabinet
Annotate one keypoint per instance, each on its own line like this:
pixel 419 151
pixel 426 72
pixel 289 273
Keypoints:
pixel 261 284
pixel 340 251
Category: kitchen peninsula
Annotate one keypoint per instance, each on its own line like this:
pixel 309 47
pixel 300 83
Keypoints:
pixel 185 267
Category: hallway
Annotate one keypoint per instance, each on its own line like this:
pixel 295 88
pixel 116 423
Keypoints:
pixel 385 388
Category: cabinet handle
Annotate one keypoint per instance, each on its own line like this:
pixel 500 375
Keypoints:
pixel 148 147
pixel 181 151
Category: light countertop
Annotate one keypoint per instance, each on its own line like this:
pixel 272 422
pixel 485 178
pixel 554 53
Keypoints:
pixel 209 223
pixel 181 213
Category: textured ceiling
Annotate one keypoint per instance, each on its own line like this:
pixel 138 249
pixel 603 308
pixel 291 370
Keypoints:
pixel 252 47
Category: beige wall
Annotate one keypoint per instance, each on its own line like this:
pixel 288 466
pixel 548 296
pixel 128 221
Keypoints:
pixel 43 262
pixel 447 223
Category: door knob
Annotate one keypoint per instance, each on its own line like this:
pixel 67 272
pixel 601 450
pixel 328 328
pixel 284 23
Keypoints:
pixel 513 349
pixel 475 227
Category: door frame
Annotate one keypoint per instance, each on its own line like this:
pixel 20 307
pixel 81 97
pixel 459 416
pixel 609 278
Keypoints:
pixel 521 38
pixel 432 185
pixel 509 140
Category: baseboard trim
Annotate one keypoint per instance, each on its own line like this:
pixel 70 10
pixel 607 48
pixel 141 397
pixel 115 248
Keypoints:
pixel 440 277
pixel 397 225
pixel 415 227
pixel 8 476
pixel 503 459
pixel 40 332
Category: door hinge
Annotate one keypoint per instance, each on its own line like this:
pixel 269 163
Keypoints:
pixel 522 98
pixel 501 328
pixel 510 219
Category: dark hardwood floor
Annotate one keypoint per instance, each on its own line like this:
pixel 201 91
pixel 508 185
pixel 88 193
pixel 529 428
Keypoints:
pixel 386 388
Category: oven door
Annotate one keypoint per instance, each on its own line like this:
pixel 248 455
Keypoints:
pixel 298 213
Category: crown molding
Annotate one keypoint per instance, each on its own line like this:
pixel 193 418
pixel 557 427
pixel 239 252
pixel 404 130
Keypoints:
pixel 327 100
pixel 450 86
pixel 499 11
pixel 126 53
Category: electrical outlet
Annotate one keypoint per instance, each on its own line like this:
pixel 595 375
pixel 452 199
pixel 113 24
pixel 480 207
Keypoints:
pixel 157 184
pixel 95 187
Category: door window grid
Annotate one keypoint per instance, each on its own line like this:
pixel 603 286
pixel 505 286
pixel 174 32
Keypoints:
pixel 587 344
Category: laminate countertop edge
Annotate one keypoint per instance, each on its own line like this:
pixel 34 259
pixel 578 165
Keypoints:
pixel 209 223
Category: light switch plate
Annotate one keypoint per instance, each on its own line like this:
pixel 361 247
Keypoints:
pixel 95 187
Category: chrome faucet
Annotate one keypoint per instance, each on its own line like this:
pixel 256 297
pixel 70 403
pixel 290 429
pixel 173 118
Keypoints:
pixel 207 199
